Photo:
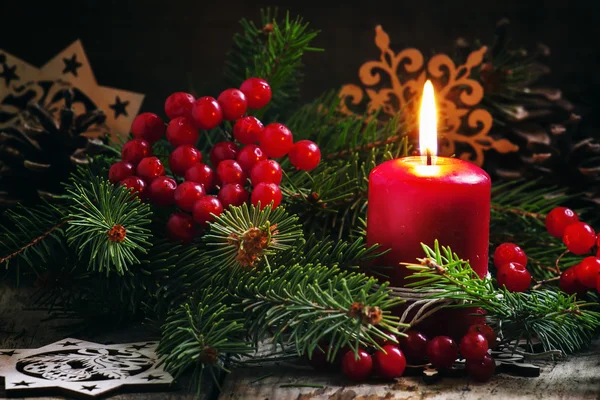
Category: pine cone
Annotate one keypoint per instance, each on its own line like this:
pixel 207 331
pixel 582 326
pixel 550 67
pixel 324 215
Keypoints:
pixel 40 152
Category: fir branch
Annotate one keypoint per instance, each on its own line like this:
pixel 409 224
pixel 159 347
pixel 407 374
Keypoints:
pixel 559 321
pixel 106 225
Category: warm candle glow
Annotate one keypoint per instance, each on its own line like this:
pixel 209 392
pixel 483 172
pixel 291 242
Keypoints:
pixel 428 125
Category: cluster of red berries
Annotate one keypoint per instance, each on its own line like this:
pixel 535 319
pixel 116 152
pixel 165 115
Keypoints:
pixel 204 191
pixel 416 349
pixel 580 239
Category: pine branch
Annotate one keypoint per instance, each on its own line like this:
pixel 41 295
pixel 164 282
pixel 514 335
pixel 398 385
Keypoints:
pixel 559 321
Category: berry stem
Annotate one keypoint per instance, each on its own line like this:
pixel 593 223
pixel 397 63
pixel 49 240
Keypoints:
pixel 34 241
pixel 558 260
pixel 540 283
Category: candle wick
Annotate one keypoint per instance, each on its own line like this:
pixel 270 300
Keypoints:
pixel 428 157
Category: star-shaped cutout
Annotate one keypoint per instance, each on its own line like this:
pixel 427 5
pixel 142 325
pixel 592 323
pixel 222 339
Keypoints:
pixel 9 74
pixel 152 377
pixel 89 388
pixel 71 65
pixel 9 353
pixel 119 107
pixel 67 343
pixel 138 346
pixel 22 383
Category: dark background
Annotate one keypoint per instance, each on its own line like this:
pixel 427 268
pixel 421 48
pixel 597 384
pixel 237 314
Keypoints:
pixel 159 47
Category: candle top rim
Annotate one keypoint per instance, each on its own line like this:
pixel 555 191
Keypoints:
pixel 446 169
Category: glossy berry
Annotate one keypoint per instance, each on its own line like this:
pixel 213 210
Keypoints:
pixel 162 190
pixel 487 331
pixel 507 253
pixel 233 103
pixel 579 238
pixel 257 91
pixel 266 193
pixel 514 277
pixel 150 168
pixel 180 131
pixel 390 362
pixel 134 150
pixel 187 194
pixel 247 130
pixel 587 271
pixel 382 342
pixel 558 219
pixel 481 370
pixel 414 347
pixel 136 184
pixel 206 113
pixel 266 171
pixel 229 171
pixel 179 104
pixel 569 283
pixel 249 156
pixel 276 140
pixel 181 227
pixel 202 174
pixel 223 151
pixel 305 155
pixel 148 126
pixel 473 346
pixel 120 170
pixel 206 206
pixel 183 158
pixel 357 369
pixel 232 194
pixel 442 351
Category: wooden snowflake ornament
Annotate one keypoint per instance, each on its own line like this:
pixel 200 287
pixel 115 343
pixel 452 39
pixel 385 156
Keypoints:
pixel 83 368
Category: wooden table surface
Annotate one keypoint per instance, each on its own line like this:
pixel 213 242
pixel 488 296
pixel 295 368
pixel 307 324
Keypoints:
pixel 576 377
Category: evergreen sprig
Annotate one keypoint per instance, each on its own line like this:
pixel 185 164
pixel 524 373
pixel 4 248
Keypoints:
pixel 559 321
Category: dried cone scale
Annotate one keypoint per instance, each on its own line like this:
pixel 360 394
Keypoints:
pixel 39 152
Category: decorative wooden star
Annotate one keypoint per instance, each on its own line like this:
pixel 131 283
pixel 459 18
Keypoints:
pixel 77 367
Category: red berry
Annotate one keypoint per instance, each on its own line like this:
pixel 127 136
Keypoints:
pixel 473 346
pixel 181 227
pixel 569 283
pixel 587 271
pixel 183 158
pixel 223 151
pixel 305 155
pixel 206 113
pixel 179 104
pixel 514 277
pixel 266 194
pixel 389 363
pixel 276 140
pixel 250 155
pixel 487 331
pixel 137 185
pixel 148 126
pixel 162 190
pixel 579 238
pixel 507 253
pixel 233 103
pixel 383 342
pixel 232 194
pixel 150 168
pixel 257 91
pixel 481 370
pixel 206 206
pixel 247 130
pixel 414 347
pixel 181 131
pixel 558 219
pixel 134 150
pixel 229 171
pixel 357 369
pixel 442 351
pixel 186 195
pixel 202 174
pixel 266 171
pixel 120 170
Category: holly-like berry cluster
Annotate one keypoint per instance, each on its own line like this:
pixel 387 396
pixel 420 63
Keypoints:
pixel 238 171
pixel 579 238
pixel 416 349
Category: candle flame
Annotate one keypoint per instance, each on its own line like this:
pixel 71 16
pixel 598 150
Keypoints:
pixel 428 125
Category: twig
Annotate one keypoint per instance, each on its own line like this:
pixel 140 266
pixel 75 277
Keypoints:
pixel 558 260
pixel 518 211
pixel 540 283
pixel 34 241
